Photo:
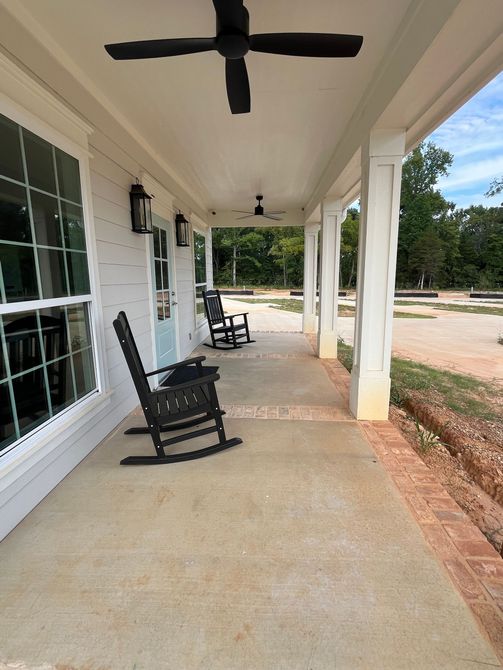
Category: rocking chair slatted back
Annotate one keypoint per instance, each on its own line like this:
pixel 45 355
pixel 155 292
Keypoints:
pixel 132 356
pixel 213 305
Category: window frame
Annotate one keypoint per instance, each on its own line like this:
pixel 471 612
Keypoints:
pixel 199 319
pixel 74 143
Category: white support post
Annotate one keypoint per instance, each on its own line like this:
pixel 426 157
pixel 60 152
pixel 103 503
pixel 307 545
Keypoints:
pixel 309 318
pixel 382 157
pixel 332 215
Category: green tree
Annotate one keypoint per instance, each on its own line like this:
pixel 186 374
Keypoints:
pixel 288 252
pixel 495 187
pixel 349 248
pixel 422 206
pixel 426 257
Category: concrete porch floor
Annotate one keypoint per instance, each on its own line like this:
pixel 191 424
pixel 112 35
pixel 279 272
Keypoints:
pixel 293 551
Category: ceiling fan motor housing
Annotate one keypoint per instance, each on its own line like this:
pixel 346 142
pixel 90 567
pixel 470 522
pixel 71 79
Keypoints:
pixel 259 210
pixel 232 40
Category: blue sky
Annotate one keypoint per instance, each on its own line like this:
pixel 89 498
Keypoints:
pixel 474 135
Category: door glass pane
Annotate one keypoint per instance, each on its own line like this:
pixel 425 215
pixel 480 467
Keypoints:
pixel 52 273
pixel 11 164
pixel 73 226
pixel 14 217
pixel 160 306
pixel 157 246
pixel 164 244
pixel 54 332
pixel 39 162
pixel 18 271
pixel 78 275
pixel 31 399
pixel 7 429
pixel 158 278
pixel 22 341
pixel 165 275
pixel 84 372
pixel 80 332
pixel 68 176
pixel 60 379
pixel 46 219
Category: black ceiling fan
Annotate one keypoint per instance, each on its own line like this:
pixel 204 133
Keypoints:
pixel 259 211
pixel 233 41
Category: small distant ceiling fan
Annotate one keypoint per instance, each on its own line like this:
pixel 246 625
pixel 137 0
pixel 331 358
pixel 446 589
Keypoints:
pixel 233 41
pixel 259 211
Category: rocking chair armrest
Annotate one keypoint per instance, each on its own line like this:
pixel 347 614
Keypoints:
pixel 180 364
pixel 231 316
pixel 208 379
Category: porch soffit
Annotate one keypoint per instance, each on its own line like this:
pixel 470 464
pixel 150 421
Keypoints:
pixel 309 116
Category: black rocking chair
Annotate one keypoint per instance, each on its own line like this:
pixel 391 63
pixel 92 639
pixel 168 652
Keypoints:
pixel 173 406
pixel 224 329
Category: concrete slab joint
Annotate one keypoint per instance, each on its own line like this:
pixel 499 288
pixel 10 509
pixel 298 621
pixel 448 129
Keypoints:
pixel 382 156
pixel 332 214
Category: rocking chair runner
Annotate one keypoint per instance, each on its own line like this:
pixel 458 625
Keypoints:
pixel 168 408
pixel 224 329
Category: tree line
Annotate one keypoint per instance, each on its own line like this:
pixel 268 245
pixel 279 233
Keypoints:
pixel 439 246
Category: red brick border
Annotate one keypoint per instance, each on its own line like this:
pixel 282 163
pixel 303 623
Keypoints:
pixel 472 563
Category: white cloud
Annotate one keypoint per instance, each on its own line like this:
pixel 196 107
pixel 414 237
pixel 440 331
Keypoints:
pixel 474 135
pixel 481 171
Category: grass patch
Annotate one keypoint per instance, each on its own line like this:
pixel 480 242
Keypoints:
pixel 467 309
pixel 411 315
pixel 292 305
pixel 465 395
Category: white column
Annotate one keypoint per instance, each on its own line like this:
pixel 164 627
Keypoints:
pixel 332 216
pixel 309 318
pixel 382 157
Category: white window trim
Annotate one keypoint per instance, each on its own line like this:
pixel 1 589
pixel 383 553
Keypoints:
pixel 203 320
pixel 74 143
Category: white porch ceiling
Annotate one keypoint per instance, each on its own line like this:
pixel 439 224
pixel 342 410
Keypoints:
pixel 301 107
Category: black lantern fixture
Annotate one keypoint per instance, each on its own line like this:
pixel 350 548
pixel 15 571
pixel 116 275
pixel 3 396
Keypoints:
pixel 141 210
pixel 182 230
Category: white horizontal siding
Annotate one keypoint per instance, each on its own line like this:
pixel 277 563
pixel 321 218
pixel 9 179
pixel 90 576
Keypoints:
pixel 124 284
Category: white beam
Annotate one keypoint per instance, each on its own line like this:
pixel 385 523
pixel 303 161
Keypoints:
pixel 382 157
pixel 309 318
pixel 332 216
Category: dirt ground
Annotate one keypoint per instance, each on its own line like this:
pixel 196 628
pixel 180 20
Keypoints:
pixel 466 456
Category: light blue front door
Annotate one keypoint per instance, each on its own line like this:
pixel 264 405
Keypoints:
pixel 164 294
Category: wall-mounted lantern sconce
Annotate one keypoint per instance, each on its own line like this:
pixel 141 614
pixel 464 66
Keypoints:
pixel 182 231
pixel 141 210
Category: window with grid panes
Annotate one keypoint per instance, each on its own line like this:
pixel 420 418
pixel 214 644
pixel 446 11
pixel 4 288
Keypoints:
pixel 46 349
pixel 200 273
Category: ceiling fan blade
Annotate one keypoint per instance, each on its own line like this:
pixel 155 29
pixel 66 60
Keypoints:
pixel 276 212
pixel 160 48
pixel 238 86
pixel 241 211
pixel 318 45
pixel 230 12
pixel 249 216
pixel 274 218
